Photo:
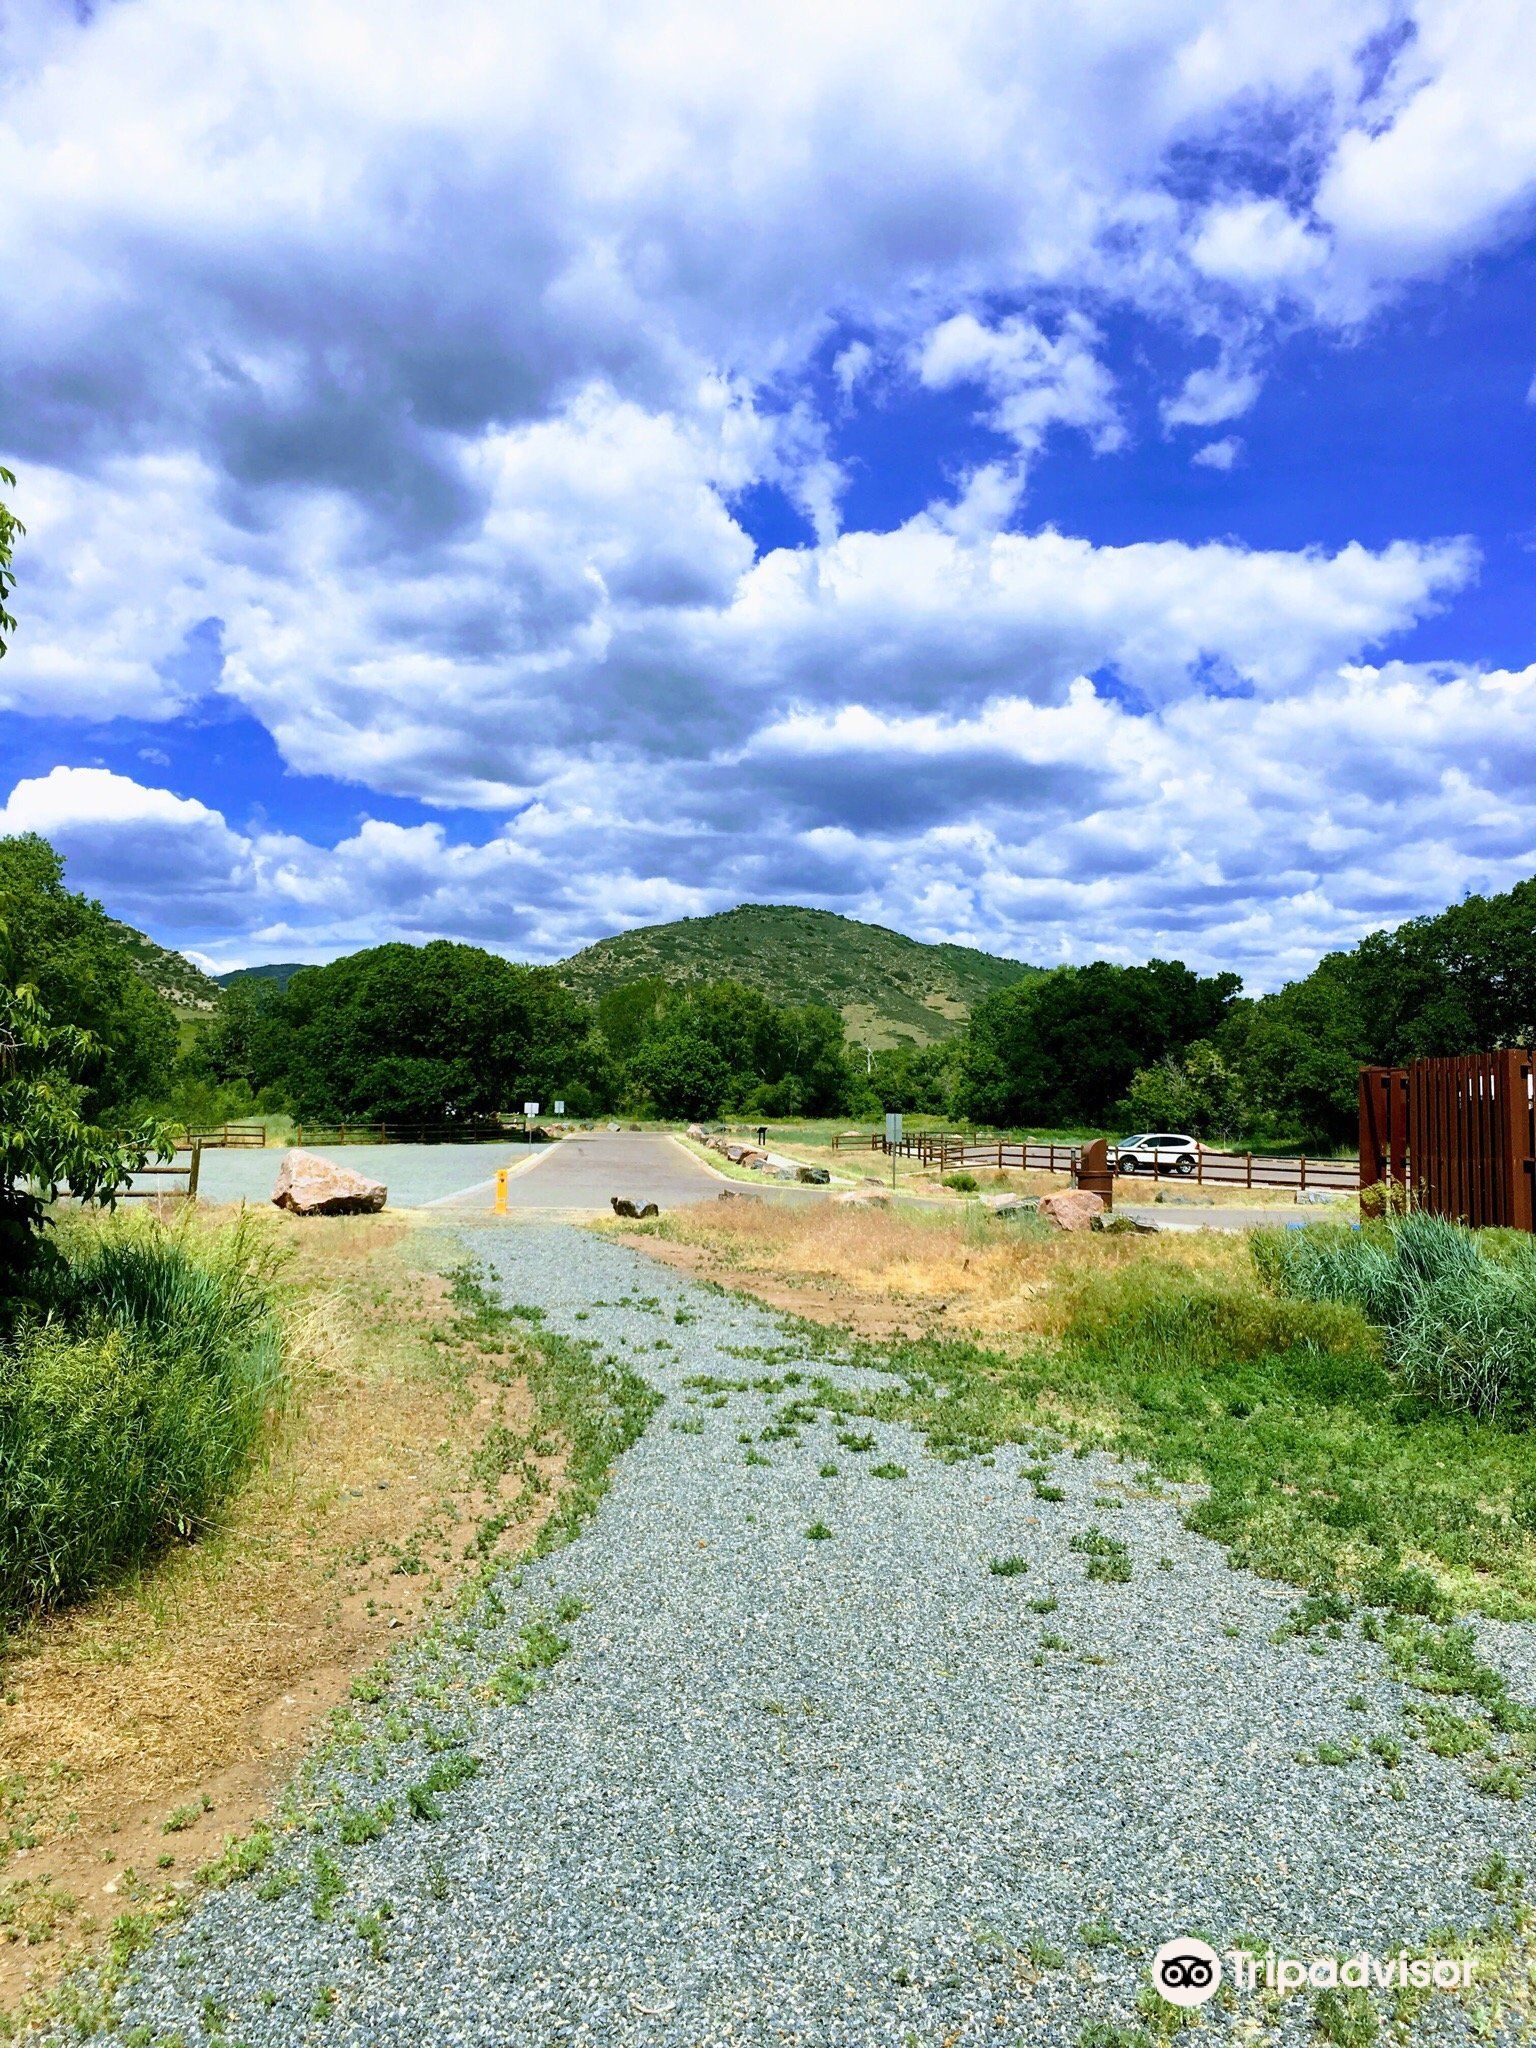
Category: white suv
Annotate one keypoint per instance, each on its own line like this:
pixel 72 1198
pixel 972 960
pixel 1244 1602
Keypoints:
pixel 1158 1152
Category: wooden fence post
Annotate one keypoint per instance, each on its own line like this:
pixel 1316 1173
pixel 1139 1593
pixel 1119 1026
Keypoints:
pixel 194 1169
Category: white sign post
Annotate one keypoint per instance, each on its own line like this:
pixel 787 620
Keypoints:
pixel 559 1109
pixel 893 1138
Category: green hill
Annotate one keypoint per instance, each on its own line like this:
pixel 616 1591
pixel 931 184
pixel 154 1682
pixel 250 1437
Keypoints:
pixel 890 990
pixel 280 971
pixel 171 974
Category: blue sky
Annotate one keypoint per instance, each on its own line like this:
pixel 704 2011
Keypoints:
pixel 1059 479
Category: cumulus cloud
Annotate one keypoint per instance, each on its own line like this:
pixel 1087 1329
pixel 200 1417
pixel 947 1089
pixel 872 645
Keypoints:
pixel 407 380
pixel 1208 397
pixel 1246 831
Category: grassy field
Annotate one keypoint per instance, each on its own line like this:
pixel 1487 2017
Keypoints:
pixel 421 1440
pixel 1317 1465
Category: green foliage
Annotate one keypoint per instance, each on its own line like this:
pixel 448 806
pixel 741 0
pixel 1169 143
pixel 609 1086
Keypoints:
pixel 1194 1091
pixel 10 527
pixel 132 1396
pixel 679 1072
pixel 1460 1321
pixel 68 949
pixel 45 1141
pixel 1063 1047
pixel 435 1034
pixel 887 988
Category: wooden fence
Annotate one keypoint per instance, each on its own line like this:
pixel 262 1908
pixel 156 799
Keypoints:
pixel 187 1174
pixel 1457 1136
pixel 952 1151
pixel 222 1135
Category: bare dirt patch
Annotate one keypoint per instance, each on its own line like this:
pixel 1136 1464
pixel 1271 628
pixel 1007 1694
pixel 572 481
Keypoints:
pixel 143 1728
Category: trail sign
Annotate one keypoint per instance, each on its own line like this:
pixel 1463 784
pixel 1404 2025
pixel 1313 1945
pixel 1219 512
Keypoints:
pixel 893 1127
pixel 530 1109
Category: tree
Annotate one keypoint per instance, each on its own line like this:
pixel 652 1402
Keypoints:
pixel 46 1144
pixel 1061 1048
pixel 680 1072
pixel 435 1034
pixel 10 527
pixel 65 946
pixel 1197 1092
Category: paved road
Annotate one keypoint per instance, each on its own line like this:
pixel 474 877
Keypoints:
pixel 417 1176
pixel 586 1169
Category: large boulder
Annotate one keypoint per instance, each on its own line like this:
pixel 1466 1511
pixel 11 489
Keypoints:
pixel 696 1132
pixel 864 1198
pixel 813 1176
pixel 1071 1208
pixel 311 1186
pixel 622 1206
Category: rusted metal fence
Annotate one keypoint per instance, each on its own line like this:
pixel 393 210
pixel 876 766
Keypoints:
pixel 1457 1135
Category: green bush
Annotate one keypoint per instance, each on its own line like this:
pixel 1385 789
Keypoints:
pixel 131 1401
pixel 961 1183
pixel 1459 1313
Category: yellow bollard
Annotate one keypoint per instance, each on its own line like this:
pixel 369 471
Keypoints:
pixel 501 1191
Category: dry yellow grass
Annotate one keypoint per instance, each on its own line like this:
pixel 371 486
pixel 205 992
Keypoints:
pixel 882 1269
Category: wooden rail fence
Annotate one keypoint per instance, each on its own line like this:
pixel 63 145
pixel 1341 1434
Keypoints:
pixel 952 1151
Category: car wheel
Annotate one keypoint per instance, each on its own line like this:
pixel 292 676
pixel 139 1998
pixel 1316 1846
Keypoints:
pixel 1186 1165
pixel 1127 1166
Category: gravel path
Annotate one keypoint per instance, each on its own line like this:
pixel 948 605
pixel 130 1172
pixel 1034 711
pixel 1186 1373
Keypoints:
pixel 835 1792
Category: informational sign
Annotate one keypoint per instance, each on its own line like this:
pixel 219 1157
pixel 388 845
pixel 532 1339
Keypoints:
pixel 530 1109
pixel 559 1109
pixel 893 1127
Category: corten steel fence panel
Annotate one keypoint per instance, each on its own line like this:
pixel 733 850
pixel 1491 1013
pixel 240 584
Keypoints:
pixel 1478 1111
pixel 1460 1133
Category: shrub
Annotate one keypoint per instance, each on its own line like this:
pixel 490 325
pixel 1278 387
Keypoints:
pixel 131 1401
pixel 962 1183
pixel 1469 1340
pixel 1460 1316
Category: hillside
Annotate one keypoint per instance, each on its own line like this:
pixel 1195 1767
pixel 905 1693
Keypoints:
pixel 280 971
pixel 171 974
pixel 890 990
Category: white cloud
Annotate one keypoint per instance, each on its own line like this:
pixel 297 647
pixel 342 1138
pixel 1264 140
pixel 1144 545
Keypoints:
pixel 1034 382
pixel 434 354
pixel 1258 244
pixel 1208 397
pixel 1254 832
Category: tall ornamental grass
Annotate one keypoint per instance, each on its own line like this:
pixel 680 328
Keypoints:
pixel 1458 1307
pixel 133 1396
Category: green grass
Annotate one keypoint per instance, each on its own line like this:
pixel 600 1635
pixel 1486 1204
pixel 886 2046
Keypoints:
pixel 133 1397
pixel 1458 1307
pixel 1322 1468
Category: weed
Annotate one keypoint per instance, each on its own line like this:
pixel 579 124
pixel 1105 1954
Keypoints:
pixel 329 1883
pixel 1008 1567
pixel 818 1532
pixel 1108 1558
pixel 187 1816
pixel 888 1471
pixel 1044 1603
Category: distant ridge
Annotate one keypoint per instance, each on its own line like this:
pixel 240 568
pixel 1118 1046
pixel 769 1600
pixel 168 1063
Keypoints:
pixel 889 989
pixel 280 971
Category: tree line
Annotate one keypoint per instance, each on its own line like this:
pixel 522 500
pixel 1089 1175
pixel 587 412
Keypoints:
pixel 445 1033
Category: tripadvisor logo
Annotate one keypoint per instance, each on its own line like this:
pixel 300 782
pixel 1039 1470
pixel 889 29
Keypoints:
pixel 1187 1972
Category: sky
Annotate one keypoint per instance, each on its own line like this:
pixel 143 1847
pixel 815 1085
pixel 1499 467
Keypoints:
pixel 1055 475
